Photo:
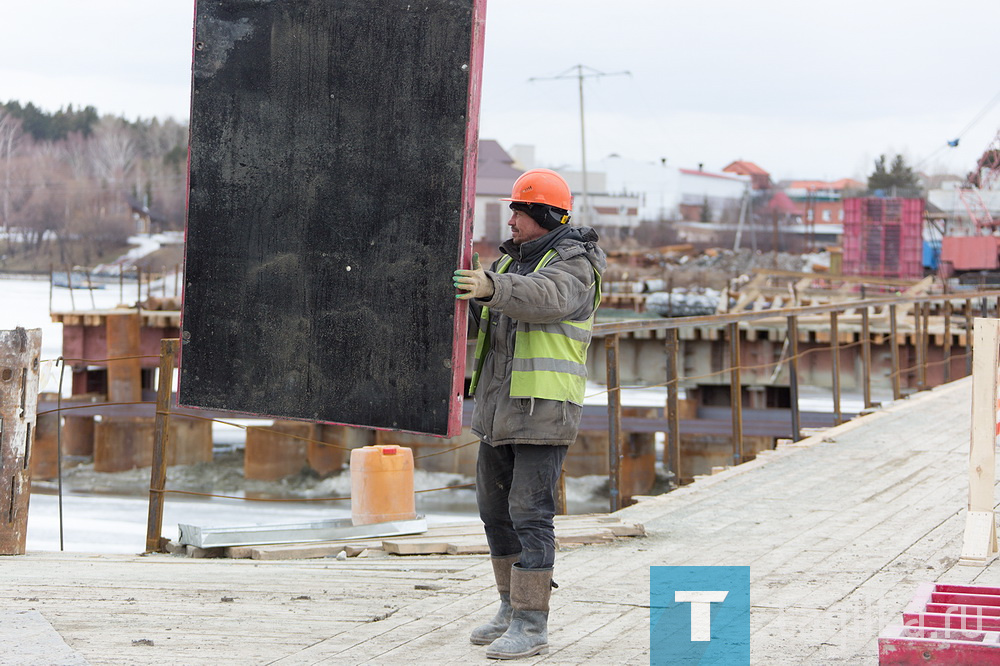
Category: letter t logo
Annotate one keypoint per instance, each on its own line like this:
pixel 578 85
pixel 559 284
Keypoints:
pixel 701 610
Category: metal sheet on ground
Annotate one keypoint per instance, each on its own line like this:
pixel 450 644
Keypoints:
pixel 331 188
pixel 325 530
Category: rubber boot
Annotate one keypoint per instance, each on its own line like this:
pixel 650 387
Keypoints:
pixel 492 630
pixel 528 633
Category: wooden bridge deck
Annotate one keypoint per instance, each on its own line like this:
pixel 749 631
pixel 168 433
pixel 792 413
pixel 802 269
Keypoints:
pixel 838 531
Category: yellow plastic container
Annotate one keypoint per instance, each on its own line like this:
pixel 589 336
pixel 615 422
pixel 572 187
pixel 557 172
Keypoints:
pixel 382 484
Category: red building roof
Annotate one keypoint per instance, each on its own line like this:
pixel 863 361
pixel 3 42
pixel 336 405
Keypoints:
pixel 761 179
pixel 745 168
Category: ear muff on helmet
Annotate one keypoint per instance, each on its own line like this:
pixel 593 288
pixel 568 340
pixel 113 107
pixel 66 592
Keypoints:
pixel 547 217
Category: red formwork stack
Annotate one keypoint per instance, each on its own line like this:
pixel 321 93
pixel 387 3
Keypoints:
pixel 945 624
pixel 883 237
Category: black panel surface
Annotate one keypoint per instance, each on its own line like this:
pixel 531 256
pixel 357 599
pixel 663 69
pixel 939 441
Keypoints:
pixel 328 141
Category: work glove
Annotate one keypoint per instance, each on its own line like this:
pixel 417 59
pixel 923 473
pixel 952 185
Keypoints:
pixel 474 283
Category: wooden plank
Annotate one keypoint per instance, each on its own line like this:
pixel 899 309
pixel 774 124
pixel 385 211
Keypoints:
pixel 980 542
pixel 296 552
pixel 415 547
pixel 331 193
pixel 19 368
pixel 468 547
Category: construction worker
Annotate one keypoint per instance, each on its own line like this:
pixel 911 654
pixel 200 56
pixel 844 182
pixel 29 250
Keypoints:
pixel 534 309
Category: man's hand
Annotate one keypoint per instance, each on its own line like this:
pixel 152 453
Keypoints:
pixel 474 283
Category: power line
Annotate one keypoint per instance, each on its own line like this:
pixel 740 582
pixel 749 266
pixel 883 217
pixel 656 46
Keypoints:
pixel 580 75
pixel 953 143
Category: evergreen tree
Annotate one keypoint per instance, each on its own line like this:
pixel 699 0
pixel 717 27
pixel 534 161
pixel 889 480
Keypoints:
pixel 706 212
pixel 44 126
pixel 900 175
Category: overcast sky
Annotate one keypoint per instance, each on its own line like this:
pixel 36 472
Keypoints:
pixel 805 89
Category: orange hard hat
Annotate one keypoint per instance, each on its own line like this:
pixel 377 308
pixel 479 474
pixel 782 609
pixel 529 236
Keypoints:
pixel 542 186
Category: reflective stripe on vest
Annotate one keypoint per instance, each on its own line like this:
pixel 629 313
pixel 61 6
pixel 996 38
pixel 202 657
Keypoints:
pixel 550 360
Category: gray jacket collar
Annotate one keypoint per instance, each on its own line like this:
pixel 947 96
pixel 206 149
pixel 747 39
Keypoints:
pixel 533 251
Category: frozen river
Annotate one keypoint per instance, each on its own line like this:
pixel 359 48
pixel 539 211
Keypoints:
pixel 116 524
pixel 102 523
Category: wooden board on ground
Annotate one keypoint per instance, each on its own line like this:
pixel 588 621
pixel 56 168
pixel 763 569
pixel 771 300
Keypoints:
pixel 331 191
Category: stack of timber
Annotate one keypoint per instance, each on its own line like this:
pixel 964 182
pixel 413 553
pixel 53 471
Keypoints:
pixel 457 539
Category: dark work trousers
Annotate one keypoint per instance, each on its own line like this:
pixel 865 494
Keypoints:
pixel 515 489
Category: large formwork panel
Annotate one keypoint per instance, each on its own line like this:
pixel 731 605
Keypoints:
pixel 331 191
pixel 883 237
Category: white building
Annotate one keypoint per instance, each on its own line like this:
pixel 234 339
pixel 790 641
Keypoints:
pixel 610 210
pixel 670 193
pixel 948 200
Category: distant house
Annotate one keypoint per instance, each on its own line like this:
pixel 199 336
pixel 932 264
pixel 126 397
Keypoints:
pixel 653 185
pixel 495 175
pixel 759 179
pixel 612 211
pixel 720 193
pixel 146 221
pixel 821 202
pixel 613 214
pixel 667 193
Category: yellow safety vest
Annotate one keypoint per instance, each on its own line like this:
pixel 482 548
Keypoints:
pixel 550 360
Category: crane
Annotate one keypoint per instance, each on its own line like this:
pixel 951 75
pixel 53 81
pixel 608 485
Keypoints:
pixel 986 175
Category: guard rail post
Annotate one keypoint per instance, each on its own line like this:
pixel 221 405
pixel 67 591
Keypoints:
pixel 793 375
pixel 736 392
pixel 924 342
pixel 614 422
pixel 866 358
pixel 158 475
pixel 946 351
pixel 835 366
pixel 918 337
pixel 968 336
pixel 897 391
pixel 673 450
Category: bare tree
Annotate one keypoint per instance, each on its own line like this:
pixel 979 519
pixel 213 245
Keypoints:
pixel 10 135
pixel 113 153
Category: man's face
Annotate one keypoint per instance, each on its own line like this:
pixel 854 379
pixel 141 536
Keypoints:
pixel 523 228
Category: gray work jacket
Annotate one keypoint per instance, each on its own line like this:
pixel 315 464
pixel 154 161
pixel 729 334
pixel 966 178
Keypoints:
pixel 564 289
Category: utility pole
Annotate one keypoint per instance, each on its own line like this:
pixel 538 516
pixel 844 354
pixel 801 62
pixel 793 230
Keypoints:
pixel 580 75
